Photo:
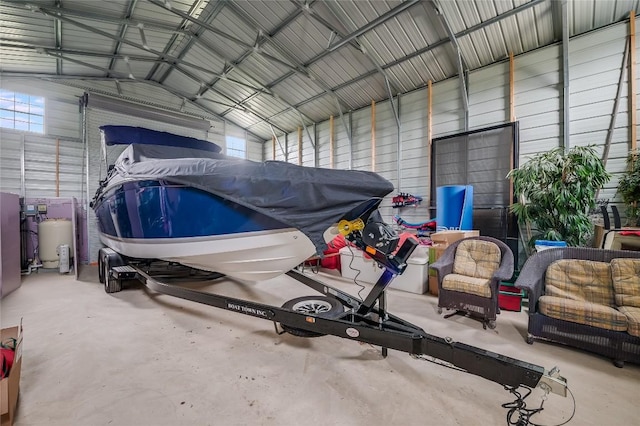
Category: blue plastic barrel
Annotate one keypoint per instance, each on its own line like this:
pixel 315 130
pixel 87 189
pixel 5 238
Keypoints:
pixel 454 207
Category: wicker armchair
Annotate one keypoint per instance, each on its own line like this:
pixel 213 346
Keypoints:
pixel 470 301
pixel 617 345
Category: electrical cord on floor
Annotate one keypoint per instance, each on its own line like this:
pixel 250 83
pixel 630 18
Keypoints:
pixel 358 272
pixel 519 407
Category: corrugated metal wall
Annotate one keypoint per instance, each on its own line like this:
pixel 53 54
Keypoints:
pixel 386 150
pixel 415 177
pixel 538 100
pixel 595 64
pixel 342 144
pixel 323 143
pixel 254 147
pixel 36 177
pixel 595 61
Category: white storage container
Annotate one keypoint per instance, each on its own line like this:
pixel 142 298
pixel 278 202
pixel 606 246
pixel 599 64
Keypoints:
pixel 415 278
pixel 51 234
pixel 364 268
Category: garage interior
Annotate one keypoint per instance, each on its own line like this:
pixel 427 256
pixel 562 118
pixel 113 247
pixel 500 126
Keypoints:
pixel 419 95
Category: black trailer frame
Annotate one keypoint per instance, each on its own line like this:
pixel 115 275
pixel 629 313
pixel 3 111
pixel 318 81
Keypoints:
pixel 361 320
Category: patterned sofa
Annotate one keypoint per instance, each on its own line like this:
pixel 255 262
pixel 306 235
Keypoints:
pixel 587 298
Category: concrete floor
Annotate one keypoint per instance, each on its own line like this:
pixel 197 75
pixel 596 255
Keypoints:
pixel 139 358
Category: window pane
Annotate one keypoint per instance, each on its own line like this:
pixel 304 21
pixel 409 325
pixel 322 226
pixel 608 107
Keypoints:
pixel 22 116
pixel 6 95
pixel 21 125
pixel 36 101
pixel 236 147
pixel 38 128
pixel 236 153
pixel 21 107
pixel 37 110
pixel 22 98
pixel 21 112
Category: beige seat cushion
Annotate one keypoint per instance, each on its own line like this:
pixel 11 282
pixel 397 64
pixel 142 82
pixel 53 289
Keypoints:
pixel 466 284
pixel 581 312
pixel 633 318
pixel 477 258
pixel 582 280
pixel 625 273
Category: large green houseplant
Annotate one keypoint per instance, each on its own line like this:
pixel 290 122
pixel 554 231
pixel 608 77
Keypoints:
pixel 555 191
pixel 629 188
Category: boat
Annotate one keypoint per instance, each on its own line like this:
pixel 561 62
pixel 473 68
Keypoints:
pixel 179 199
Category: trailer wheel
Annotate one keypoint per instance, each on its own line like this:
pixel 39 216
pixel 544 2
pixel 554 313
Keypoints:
pixel 100 267
pixel 111 284
pixel 326 307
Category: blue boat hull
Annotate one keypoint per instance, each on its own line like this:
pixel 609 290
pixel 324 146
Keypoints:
pixel 162 220
pixel 160 209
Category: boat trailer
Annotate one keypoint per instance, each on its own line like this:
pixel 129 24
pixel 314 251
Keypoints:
pixel 337 313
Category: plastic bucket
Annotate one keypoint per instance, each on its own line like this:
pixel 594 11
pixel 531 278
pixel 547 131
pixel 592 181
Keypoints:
pixel 547 244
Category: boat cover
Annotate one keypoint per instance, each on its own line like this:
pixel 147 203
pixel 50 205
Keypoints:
pixel 306 198
pixel 125 135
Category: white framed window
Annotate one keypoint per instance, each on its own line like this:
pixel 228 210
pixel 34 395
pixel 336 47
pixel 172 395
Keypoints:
pixel 236 147
pixel 21 112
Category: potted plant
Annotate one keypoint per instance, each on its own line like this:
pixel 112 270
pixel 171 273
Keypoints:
pixel 555 191
pixel 629 188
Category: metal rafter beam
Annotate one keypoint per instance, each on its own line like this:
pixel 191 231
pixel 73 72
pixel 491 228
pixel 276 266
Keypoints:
pixel 566 108
pixel 251 50
pixel 168 58
pixel 177 93
pixel 261 40
pixel 155 59
pixel 170 28
pixel 371 25
pixel 350 39
pixel 121 34
pixel 220 33
pixel 556 19
pixel 57 32
pixel 249 21
pixel 426 49
pixel 28 46
pixel 215 10
pixel 15 74
pixel 409 56
pixel 459 61
pixel 100 17
pixel 160 55
pixel 354 43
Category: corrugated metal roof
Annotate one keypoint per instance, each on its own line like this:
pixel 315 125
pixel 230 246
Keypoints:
pixel 304 37
pixel 264 63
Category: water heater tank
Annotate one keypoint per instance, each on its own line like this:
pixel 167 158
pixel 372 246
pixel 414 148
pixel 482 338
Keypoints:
pixel 52 233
